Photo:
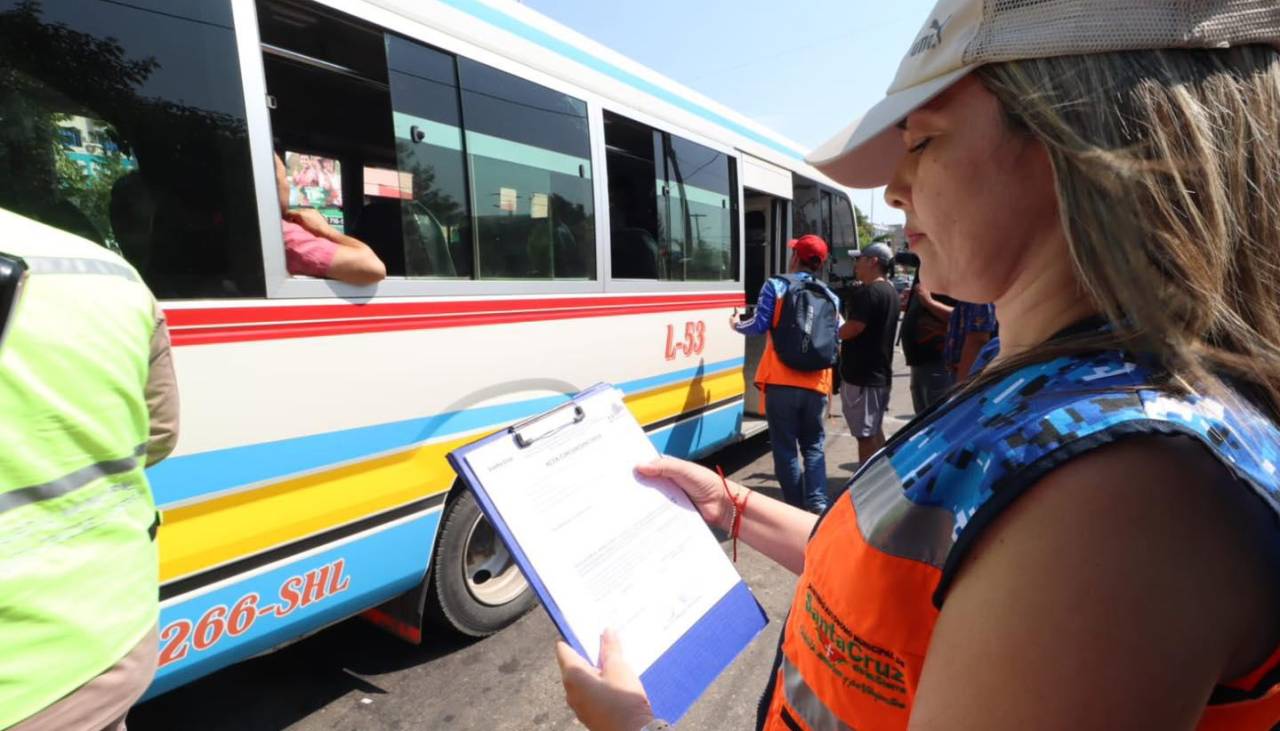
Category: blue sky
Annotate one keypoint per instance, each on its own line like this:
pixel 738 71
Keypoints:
pixel 805 68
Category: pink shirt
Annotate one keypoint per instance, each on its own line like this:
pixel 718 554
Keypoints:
pixel 306 253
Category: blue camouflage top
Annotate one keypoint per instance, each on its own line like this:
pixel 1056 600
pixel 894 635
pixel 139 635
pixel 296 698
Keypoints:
pixel 959 464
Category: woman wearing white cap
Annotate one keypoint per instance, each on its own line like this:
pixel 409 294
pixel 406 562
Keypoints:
pixel 1088 534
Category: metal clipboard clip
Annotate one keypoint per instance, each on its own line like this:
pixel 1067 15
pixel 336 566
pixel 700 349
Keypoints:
pixel 525 435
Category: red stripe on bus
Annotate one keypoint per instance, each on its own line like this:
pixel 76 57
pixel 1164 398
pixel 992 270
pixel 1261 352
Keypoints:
pixel 397 627
pixel 245 324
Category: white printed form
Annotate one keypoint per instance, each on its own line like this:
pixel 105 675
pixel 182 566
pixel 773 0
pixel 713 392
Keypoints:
pixel 613 550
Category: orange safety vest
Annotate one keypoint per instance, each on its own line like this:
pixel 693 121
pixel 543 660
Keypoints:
pixel 876 569
pixel 772 371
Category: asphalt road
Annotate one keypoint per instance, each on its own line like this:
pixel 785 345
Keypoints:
pixel 354 676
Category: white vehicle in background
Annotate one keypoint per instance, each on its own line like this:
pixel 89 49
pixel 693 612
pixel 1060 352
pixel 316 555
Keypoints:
pixel 551 215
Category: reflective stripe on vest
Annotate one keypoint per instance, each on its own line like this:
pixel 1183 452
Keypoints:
pixel 79 265
pixel 70 483
pixel 879 563
pixel 805 704
pixel 78 570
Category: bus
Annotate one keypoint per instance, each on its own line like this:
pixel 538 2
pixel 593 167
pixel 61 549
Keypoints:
pixel 551 214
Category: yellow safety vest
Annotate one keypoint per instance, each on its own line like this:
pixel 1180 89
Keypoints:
pixel 78 567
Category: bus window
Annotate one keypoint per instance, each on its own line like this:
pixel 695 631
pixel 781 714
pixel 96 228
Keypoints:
pixel 431 177
pixel 634 160
pixel 673 206
pixel 843 234
pixel 332 122
pixel 125 124
pixel 806 201
pixel 530 162
pixel 702 212
pixel 826 216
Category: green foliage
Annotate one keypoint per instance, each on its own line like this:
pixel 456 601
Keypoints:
pixel 90 189
pixel 866 232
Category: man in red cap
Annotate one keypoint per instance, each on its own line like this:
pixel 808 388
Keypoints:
pixel 793 389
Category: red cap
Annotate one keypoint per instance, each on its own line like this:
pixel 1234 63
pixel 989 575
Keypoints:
pixel 809 247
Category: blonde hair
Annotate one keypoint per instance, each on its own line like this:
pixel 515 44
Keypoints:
pixel 1167 165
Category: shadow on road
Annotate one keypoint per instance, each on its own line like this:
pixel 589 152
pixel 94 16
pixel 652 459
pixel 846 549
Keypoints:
pixel 277 690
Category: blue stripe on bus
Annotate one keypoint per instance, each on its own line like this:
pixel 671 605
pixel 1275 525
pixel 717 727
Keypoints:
pixel 498 19
pixel 189 476
pixel 374 569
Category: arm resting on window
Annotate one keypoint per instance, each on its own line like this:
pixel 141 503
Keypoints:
pixel 355 262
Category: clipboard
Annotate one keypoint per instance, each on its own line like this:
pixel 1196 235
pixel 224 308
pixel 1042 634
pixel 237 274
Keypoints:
pixel 676 679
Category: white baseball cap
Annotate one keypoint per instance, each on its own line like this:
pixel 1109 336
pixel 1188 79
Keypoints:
pixel 961 35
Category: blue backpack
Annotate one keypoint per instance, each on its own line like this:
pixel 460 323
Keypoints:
pixel 806 337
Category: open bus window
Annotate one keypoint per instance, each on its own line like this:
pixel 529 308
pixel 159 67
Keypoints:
pixel 508 197
pixel 125 124
pixel 673 206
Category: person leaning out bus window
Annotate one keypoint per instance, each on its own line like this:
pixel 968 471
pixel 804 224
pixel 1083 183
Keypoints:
pixel 1087 534
pixel 314 248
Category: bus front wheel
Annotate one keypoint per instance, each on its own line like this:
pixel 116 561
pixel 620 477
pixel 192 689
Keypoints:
pixel 476 587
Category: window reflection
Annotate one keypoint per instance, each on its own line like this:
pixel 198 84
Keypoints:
pixel 529 155
pixel 806 201
pixel 672 206
pixel 428 138
pixel 124 123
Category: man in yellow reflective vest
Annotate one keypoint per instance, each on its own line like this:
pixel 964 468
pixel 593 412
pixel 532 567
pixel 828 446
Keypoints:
pixel 87 400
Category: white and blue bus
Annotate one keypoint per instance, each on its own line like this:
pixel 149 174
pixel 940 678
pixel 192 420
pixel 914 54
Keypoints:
pixel 551 215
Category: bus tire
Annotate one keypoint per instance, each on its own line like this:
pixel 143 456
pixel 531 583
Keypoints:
pixel 475 588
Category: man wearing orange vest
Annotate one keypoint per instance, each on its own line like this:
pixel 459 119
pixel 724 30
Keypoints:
pixel 794 400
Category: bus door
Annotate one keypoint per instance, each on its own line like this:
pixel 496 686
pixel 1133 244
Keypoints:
pixel 766 215
pixel 766 238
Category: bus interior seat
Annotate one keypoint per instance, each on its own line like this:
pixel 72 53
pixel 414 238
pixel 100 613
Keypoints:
pixel 379 225
pixel 636 254
pixel 426 246
pixel 566 254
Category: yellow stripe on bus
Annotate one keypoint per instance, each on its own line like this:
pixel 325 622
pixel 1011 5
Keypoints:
pixel 201 536
pixel 668 401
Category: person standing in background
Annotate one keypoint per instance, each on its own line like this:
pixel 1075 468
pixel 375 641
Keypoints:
pixel 866 353
pixel 924 337
pixel 794 399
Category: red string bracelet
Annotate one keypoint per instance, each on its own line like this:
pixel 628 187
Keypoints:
pixel 739 509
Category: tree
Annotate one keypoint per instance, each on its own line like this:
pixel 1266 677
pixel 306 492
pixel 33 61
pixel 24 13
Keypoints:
pixel 866 232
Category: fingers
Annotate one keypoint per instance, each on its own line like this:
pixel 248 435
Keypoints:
pixel 613 665
pixel 570 661
pixel 668 467
pixel 610 651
